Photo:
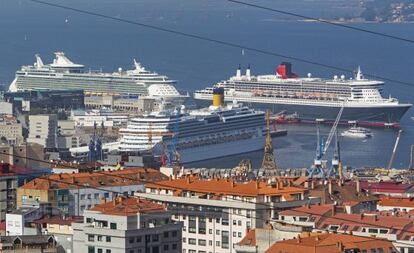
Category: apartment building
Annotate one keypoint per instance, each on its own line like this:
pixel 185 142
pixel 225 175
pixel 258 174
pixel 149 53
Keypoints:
pixel 43 130
pixel 11 132
pixel 74 193
pixel 216 213
pixel 127 225
pixel 8 185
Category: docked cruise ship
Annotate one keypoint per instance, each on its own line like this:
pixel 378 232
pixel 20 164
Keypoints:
pixel 312 98
pixel 63 74
pixel 201 134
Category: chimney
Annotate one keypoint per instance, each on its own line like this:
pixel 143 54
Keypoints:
pixel 340 246
pixel 306 185
pixel 248 72
pixel 188 180
pixel 232 183
pixel 333 210
pixel 257 184
pixel 298 239
pixel 358 186
pixel 330 187
pixel 238 72
pixel 312 184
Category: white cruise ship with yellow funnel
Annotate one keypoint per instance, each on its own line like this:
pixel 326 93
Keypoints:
pixel 216 131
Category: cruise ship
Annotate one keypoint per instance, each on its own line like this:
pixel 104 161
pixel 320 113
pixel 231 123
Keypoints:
pixel 201 134
pixel 312 98
pixel 63 74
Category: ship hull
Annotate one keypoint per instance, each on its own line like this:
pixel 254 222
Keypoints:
pixel 383 114
pixel 208 152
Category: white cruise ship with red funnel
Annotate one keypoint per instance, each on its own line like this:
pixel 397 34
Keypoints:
pixel 312 97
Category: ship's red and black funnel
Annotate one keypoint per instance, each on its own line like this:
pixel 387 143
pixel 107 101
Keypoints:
pixel 285 70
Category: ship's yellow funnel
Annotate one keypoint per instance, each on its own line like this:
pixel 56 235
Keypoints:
pixel 218 97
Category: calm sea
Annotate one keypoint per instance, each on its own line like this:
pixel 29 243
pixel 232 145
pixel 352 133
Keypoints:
pixel 27 28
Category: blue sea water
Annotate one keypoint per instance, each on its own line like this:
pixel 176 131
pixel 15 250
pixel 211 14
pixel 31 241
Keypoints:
pixel 27 28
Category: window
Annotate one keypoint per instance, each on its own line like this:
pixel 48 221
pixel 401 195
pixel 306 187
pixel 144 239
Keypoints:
pixel 218 243
pixel 166 247
pixel 239 234
pixel 82 196
pixel 248 224
pixel 96 196
pixel 89 196
pixel 192 224
pixel 174 233
pixel 372 230
pixel 166 234
pixel 88 220
pixel 234 222
pixel 106 195
pixel 210 231
pixel 383 231
pixel 202 225
pixel 225 239
pixel 239 222
pixel 91 238
pixel 131 240
pixel 155 238
pixel 100 250
pixel 217 232
pixel 202 242
pixel 91 249
pixel 99 238
pixel 108 251
pixel 210 243
pixel 234 234
pixel 174 246
pixel 108 239
pixel 192 241
pixel 113 225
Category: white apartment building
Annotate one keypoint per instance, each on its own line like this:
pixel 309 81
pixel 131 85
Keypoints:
pixel 43 130
pixel 12 132
pixel 216 213
pixel 127 225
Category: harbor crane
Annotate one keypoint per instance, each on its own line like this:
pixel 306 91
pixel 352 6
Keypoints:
pixel 317 169
pixel 394 150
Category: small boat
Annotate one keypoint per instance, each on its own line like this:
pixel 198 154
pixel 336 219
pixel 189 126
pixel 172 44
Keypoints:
pixel 357 132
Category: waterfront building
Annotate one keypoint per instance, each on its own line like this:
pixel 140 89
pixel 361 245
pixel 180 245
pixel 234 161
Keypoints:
pixel 127 225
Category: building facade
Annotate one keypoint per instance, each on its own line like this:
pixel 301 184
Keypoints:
pixel 216 213
pixel 43 130
pixel 127 225
pixel 74 193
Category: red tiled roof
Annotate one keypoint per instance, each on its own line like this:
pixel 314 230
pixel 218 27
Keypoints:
pixel 94 179
pixel 226 187
pixel 330 243
pixel 397 202
pixel 308 210
pixel 128 206
pixel 59 220
pixel 385 187
pixel 249 239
